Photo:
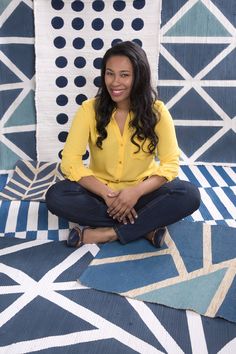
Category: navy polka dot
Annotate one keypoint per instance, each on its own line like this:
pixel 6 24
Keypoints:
pixel 136 40
pixel 98 5
pixel 97 43
pixel 77 5
pixel 80 81
pixel 57 22
pixel 62 118
pixel 138 4
pixel 61 62
pixel 97 24
pixel 115 41
pixel 80 99
pixel 77 23
pixel 59 42
pixel 137 24
pixel 57 4
pixel 60 154
pixel 117 24
pixel 62 136
pixel 97 63
pixel 86 155
pixel 119 5
pixel 78 43
pixel 62 100
pixel 97 81
pixel 80 62
pixel 61 81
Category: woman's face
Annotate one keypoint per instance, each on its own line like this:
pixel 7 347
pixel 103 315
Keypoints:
pixel 119 79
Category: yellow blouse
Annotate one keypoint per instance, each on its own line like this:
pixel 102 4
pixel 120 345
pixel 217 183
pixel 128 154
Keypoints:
pixel 117 164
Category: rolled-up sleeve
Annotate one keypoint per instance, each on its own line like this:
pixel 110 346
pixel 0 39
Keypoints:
pixel 72 165
pixel 167 149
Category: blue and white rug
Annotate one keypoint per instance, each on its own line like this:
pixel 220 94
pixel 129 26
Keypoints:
pixel 23 216
pixel 195 269
pixel 17 84
pixel 43 308
pixel 196 75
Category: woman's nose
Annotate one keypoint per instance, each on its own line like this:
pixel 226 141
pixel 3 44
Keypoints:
pixel 116 80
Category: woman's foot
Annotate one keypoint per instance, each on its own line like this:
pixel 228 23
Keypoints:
pixel 157 237
pixel 79 236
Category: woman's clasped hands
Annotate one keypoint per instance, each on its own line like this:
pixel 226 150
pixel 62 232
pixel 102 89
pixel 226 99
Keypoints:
pixel 121 204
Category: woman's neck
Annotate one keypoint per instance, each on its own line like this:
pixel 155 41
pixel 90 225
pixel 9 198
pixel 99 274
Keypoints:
pixel 123 106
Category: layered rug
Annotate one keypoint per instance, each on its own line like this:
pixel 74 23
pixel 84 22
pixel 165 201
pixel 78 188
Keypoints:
pixel 196 269
pixel 44 309
pixel 24 217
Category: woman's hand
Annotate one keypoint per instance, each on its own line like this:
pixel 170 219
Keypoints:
pixel 122 206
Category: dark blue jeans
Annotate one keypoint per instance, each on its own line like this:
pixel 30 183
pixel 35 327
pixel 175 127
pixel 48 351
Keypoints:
pixel 166 205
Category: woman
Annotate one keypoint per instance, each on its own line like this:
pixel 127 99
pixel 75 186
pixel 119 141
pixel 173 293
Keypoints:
pixel 125 193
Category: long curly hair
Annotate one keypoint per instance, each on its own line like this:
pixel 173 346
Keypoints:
pixel 142 98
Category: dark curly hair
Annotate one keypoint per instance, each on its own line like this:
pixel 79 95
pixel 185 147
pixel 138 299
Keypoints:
pixel 142 97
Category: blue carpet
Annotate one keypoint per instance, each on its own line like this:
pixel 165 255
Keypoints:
pixel 48 311
pixel 194 270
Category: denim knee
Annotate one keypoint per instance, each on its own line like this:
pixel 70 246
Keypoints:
pixel 51 196
pixel 194 195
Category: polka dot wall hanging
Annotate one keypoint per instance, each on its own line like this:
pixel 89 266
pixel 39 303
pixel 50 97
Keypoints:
pixel 70 39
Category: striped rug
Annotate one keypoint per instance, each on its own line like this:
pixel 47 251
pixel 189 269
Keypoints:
pixel 31 219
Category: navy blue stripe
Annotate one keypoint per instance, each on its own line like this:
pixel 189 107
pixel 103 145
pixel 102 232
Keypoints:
pixel 231 195
pixel 187 171
pixel 4 210
pixel 218 203
pixel 205 212
pixel 22 216
pixel 42 217
pixel 225 176
pixel 212 182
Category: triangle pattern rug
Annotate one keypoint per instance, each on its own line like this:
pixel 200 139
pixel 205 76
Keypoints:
pixel 195 270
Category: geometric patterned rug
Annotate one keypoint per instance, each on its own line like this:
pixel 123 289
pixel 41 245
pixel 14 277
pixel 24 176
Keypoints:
pixel 44 309
pixel 23 216
pixel 196 77
pixel 17 83
pixel 195 270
